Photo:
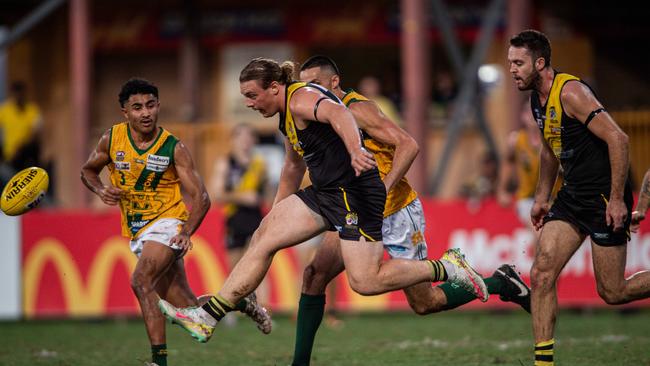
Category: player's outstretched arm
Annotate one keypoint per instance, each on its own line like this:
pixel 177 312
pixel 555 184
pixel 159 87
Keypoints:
pixel 192 184
pixel 311 104
pixel 642 205
pixel 373 121
pixel 579 102
pixel 97 160
pixel 293 171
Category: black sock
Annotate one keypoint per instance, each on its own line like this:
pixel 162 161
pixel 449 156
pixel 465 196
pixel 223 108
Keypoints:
pixel 310 315
pixel 218 307
pixel 159 354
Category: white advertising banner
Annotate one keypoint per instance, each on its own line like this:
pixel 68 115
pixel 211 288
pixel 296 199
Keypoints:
pixel 10 284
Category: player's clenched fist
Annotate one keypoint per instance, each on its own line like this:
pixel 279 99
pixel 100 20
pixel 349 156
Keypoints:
pixel 110 195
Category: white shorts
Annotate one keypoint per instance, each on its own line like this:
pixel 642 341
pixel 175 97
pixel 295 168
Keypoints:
pixel 523 210
pixel 403 233
pixel 161 231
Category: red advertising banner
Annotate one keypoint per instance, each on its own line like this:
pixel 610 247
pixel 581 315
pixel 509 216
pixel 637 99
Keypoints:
pixel 77 264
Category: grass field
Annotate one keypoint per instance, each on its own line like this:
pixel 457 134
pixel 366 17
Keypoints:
pixel 454 338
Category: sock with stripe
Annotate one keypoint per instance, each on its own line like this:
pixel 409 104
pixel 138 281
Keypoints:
pixel 457 296
pixel 438 271
pixel 310 315
pixel 159 354
pixel 544 353
pixel 218 307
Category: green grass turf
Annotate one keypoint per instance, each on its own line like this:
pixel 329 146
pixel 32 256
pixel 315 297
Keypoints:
pixel 453 338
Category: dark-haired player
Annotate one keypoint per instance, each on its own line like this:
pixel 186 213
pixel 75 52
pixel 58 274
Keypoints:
pixel 596 197
pixel 148 166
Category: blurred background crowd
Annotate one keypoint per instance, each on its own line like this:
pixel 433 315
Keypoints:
pixel 62 63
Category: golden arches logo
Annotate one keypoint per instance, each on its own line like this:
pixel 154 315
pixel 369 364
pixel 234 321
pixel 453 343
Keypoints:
pixel 80 299
pixel 88 297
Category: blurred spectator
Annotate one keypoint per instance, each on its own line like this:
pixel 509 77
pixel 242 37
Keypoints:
pixel 520 169
pixel 370 87
pixel 239 183
pixel 483 185
pixel 20 124
pixel 444 94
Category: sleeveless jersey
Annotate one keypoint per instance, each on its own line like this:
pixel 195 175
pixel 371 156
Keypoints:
pixel 402 193
pixel 148 178
pixel 245 178
pixel 584 157
pixel 527 165
pixel 319 145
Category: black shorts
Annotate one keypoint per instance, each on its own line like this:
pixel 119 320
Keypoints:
pixel 241 226
pixel 354 210
pixel 587 212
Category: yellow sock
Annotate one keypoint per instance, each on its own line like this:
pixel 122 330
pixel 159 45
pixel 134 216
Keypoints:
pixel 544 353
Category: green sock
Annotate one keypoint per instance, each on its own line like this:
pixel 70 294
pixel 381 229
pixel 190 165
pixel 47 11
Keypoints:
pixel 159 354
pixel 310 315
pixel 494 285
pixel 457 296
pixel 241 305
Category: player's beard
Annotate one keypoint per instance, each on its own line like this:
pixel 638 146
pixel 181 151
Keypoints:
pixel 532 82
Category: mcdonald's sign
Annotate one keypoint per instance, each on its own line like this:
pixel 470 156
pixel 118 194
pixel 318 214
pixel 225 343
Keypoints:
pixel 76 264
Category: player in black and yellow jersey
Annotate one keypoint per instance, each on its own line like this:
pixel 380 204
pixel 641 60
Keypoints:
pixel 148 166
pixel 347 195
pixel 403 225
pixel 595 199
pixel 239 184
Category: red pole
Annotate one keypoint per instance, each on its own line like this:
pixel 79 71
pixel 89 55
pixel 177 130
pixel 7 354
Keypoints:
pixel 80 91
pixel 415 83
pixel 518 20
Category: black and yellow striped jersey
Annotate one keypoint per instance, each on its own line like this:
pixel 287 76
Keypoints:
pixel 319 145
pixel 583 156
pixel 245 178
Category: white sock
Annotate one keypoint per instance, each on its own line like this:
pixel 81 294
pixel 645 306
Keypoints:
pixel 450 268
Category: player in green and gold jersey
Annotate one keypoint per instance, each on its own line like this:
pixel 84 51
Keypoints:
pixel 148 166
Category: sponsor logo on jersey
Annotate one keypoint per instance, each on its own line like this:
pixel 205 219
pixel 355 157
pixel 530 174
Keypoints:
pixel 119 156
pixel 139 224
pixel 157 163
pixel 122 165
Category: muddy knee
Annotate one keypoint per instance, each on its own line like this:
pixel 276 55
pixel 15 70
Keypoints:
pixel 313 280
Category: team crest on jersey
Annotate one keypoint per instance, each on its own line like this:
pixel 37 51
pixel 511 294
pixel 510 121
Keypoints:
pixel 119 156
pixel 552 113
pixel 157 163
pixel 417 238
pixel 122 165
pixel 351 219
